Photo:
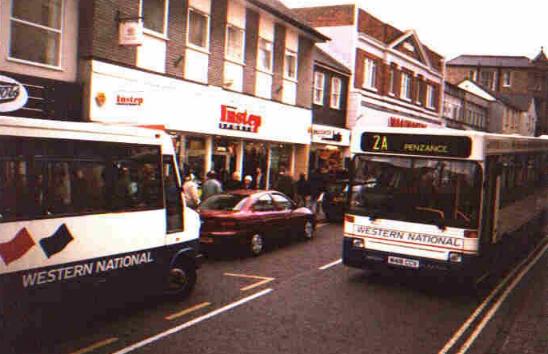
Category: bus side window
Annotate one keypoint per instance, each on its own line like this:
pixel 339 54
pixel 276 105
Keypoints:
pixel 172 192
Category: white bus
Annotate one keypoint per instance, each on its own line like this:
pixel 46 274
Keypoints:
pixel 442 199
pixel 87 206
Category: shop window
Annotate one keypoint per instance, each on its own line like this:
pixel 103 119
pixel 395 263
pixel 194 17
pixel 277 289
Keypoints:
pixel 336 85
pixel 194 156
pixel 198 28
pixel 36 30
pixel 280 160
pixel 319 83
pixel 370 79
pixel 235 43
pixel 265 55
pixel 406 86
pixel 290 65
pixel 154 15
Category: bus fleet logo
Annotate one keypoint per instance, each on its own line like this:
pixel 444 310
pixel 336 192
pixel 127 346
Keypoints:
pixel 231 119
pixel 409 236
pixel 13 94
pixel 22 243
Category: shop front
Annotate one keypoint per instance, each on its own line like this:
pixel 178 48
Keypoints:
pixel 213 129
pixel 329 149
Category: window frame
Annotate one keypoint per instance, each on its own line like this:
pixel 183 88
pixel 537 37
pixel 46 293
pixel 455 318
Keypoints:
pixel 337 94
pixel 60 31
pixel 292 53
pixel 240 60
pixel 430 96
pixel 149 31
pixel 370 74
pixel 321 89
pixel 392 82
pixel 507 79
pixel 260 67
pixel 208 34
pixel 407 89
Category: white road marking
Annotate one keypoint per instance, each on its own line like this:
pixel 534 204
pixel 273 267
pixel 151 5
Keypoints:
pixel 192 322
pixel 187 311
pixel 95 346
pixel 499 302
pixel 458 334
pixel 329 265
pixel 263 280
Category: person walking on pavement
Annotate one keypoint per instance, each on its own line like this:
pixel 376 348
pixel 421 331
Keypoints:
pixel 259 179
pixel 317 187
pixel 211 186
pixel 190 190
pixel 284 184
pixel 302 189
pixel 248 182
pixel 234 182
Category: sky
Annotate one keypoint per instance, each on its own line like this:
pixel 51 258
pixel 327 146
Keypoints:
pixel 455 27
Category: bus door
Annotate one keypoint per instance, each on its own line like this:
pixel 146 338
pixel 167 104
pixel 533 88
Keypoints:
pixel 491 202
pixel 173 202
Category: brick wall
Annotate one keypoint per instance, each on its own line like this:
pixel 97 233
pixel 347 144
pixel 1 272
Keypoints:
pixel 455 74
pixel 251 43
pixel 217 42
pixel 377 29
pixel 305 73
pixel 177 37
pixel 325 16
pixel 279 51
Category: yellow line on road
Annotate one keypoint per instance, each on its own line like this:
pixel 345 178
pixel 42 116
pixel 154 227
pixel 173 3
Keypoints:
pixel 95 346
pixel 263 280
pixel 188 310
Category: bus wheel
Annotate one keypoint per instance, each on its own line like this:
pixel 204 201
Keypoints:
pixel 181 279
pixel 256 245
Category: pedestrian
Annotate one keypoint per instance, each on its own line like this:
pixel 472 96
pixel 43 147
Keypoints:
pixel 190 190
pixel 211 186
pixel 302 190
pixel 284 184
pixel 248 182
pixel 234 182
pixel 259 179
pixel 317 187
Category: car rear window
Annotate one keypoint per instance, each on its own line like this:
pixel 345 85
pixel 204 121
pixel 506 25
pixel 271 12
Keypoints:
pixel 223 202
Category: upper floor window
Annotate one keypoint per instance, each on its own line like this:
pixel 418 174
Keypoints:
pixel 430 96
pixel 507 79
pixel 154 15
pixel 487 79
pixel 370 80
pixel 392 88
pixel 319 83
pixel 290 65
pixel 235 43
pixel 36 30
pixel 473 75
pixel 265 55
pixel 406 86
pixel 336 86
pixel 198 28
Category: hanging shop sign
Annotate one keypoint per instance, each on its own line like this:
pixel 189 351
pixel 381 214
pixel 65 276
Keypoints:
pixel 130 32
pixel 326 134
pixel 13 95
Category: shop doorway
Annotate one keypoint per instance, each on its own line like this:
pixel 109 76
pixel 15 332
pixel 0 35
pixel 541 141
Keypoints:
pixel 224 157
pixel 255 157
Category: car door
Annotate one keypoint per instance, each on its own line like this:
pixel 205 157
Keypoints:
pixel 267 218
pixel 290 222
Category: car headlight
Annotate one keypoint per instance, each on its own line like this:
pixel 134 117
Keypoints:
pixel 358 243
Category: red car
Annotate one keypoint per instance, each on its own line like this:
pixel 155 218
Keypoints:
pixel 248 217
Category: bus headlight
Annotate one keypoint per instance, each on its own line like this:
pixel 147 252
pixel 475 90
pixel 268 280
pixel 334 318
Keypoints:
pixel 455 257
pixel 358 243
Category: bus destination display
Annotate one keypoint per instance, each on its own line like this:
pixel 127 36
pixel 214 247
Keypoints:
pixel 427 145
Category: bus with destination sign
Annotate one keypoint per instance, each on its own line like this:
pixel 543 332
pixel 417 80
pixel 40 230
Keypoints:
pixel 441 199
pixel 89 208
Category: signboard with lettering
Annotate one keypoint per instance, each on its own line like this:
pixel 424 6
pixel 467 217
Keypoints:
pixel 13 95
pixel 130 32
pixel 426 145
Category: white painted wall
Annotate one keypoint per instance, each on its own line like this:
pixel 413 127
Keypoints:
pixel 289 94
pixel 196 65
pixel 151 54
pixel 233 76
pixel 263 85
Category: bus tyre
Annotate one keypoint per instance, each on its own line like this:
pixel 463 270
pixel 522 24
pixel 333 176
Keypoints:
pixel 308 230
pixel 181 279
pixel 256 245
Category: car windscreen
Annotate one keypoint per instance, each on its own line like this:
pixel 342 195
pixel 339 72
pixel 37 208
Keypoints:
pixel 224 202
pixel 422 190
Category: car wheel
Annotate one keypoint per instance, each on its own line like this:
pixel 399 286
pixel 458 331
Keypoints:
pixel 308 230
pixel 181 279
pixel 256 245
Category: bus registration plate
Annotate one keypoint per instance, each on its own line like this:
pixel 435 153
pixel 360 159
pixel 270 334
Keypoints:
pixel 404 262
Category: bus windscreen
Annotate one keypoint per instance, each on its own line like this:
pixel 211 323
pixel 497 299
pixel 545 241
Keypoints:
pixel 422 190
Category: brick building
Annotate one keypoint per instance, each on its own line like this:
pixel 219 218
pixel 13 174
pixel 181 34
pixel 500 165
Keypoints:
pixel 508 75
pixel 464 110
pixel 330 138
pixel 396 80
pixel 226 77
pixel 38 60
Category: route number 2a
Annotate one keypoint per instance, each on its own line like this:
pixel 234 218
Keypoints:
pixel 380 143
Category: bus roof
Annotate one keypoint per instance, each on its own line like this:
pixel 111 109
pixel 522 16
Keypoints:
pixel 481 143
